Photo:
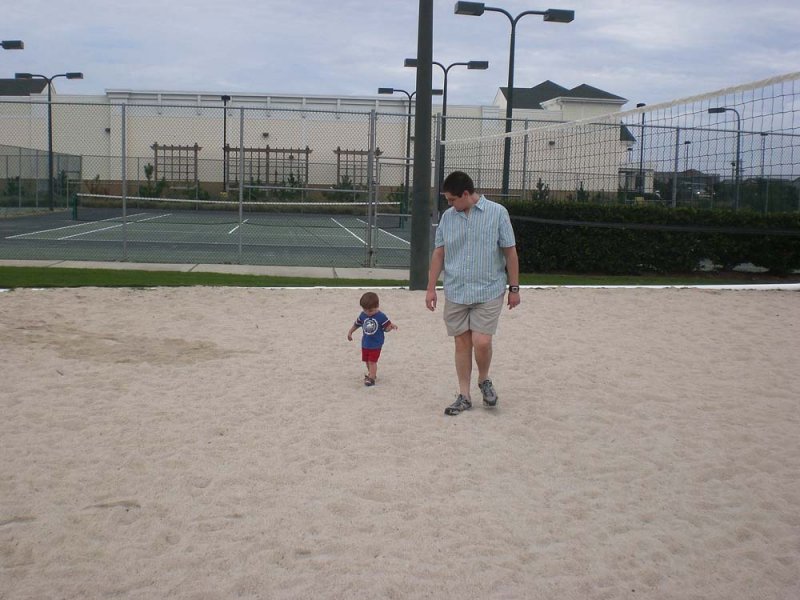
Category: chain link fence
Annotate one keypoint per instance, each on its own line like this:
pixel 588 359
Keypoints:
pixel 183 183
pixel 193 182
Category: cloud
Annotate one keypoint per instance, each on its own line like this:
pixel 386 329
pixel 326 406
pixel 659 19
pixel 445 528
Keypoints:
pixel 645 51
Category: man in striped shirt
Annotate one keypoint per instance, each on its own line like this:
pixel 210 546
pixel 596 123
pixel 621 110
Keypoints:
pixel 475 247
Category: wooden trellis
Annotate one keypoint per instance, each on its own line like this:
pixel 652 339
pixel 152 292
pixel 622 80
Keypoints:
pixel 269 166
pixel 353 165
pixel 177 165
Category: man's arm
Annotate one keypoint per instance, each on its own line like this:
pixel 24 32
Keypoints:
pixel 437 263
pixel 512 266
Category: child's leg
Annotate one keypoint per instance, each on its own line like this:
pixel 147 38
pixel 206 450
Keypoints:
pixel 372 369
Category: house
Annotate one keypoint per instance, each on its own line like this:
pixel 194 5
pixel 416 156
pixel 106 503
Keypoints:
pixel 551 101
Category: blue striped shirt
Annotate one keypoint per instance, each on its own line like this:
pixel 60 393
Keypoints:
pixel 474 262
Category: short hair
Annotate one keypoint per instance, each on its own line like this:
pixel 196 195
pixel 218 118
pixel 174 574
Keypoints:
pixel 457 183
pixel 369 300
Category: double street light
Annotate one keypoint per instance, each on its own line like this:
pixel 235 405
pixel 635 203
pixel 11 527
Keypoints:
pixel 410 95
pixel 71 75
pixel 551 15
pixel 473 65
pixel 12 45
pixel 738 166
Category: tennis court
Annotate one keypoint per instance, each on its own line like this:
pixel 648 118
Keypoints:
pixel 333 234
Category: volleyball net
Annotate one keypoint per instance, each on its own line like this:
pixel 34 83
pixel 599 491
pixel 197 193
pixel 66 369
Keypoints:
pixel 738 147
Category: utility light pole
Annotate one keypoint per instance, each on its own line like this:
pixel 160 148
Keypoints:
pixel 552 15
pixel 71 75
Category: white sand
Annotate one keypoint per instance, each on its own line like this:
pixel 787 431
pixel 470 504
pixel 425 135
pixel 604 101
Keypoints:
pixel 205 443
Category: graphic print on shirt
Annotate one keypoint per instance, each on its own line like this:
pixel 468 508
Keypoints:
pixel 370 326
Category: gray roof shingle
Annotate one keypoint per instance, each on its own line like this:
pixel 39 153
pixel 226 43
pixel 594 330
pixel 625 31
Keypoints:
pixel 533 98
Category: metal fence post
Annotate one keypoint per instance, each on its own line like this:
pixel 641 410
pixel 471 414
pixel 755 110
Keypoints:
pixel 123 159
pixel 524 161
pixel 371 207
pixel 438 165
pixel 675 170
pixel 241 178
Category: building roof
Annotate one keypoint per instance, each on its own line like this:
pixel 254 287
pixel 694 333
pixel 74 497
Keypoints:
pixel 625 134
pixel 532 98
pixel 21 87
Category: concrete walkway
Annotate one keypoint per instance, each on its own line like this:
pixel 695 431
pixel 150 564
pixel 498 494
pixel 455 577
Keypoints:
pixel 311 272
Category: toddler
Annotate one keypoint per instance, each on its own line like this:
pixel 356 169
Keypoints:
pixel 373 324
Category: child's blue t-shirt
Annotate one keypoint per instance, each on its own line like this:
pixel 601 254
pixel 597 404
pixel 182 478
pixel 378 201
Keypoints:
pixel 372 329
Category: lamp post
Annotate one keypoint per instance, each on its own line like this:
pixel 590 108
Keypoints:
pixel 687 180
pixel 225 98
pixel 641 153
pixel 388 90
pixel 71 75
pixel 552 15
pixel 13 45
pixel 737 173
pixel 473 65
pixel 686 155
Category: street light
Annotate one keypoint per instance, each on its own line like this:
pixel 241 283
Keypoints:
pixel 72 75
pixel 225 98
pixel 686 177
pixel 473 65
pixel 686 155
pixel 738 166
pixel 641 152
pixel 13 45
pixel 388 90
pixel 552 15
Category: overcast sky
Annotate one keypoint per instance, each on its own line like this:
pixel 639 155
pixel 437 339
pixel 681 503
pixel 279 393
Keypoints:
pixel 643 50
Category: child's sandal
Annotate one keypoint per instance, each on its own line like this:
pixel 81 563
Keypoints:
pixel 368 381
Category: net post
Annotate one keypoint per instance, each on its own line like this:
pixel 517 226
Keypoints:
pixel 420 258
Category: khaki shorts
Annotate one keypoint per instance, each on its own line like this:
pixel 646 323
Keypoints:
pixel 481 317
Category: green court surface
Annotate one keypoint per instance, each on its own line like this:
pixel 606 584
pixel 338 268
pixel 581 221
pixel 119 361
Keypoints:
pixel 209 235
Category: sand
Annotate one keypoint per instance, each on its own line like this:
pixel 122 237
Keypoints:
pixel 204 443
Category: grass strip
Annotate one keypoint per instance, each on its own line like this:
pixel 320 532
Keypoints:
pixel 51 277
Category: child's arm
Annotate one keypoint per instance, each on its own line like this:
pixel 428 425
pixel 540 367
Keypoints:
pixel 389 326
pixel 350 333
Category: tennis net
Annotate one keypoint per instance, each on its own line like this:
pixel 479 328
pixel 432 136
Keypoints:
pixel 177 211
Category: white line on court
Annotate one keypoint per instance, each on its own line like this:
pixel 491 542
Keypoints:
pixel 387 233
pixel 74 235
pixel 237 227
pixel 11 237
pixel 348 231
pixel 154 218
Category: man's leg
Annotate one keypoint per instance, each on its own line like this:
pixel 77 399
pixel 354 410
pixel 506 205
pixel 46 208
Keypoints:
pixel 464 361
pixel 482 343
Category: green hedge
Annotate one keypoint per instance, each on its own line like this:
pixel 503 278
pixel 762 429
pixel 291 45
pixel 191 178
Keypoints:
pixel 614 239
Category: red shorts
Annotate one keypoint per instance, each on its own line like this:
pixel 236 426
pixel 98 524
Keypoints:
pixel 370 354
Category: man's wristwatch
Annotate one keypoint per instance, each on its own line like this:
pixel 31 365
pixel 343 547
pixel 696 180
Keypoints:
pixel 513 289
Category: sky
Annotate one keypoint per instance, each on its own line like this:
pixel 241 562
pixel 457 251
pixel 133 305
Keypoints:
pixel 643 50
